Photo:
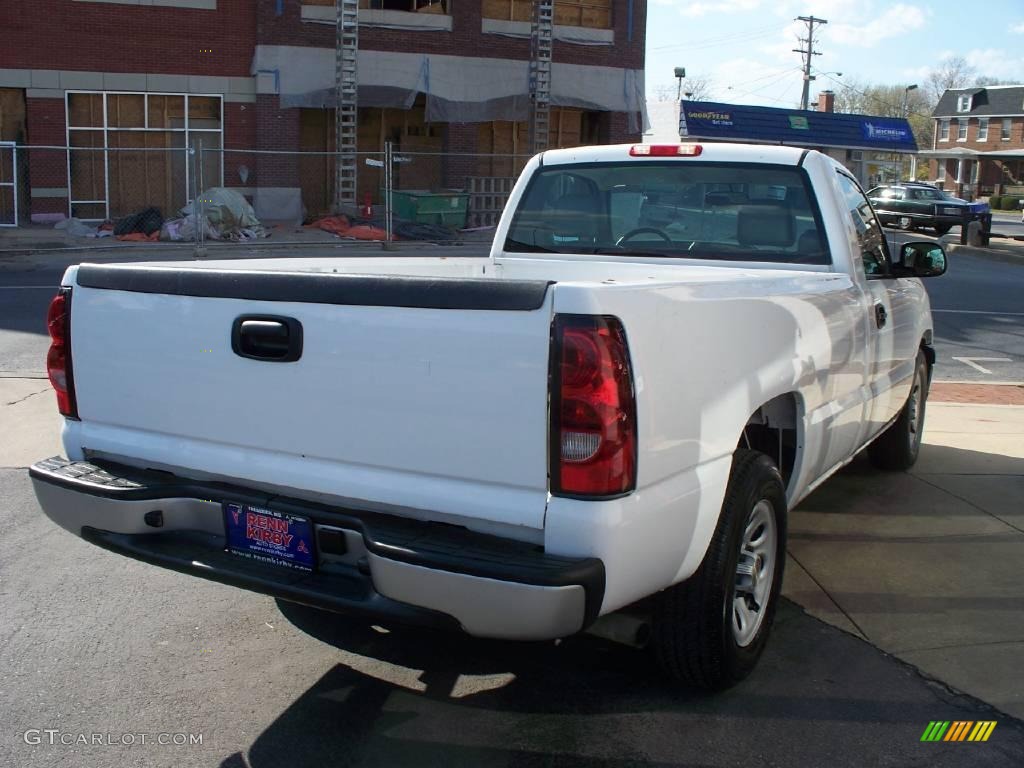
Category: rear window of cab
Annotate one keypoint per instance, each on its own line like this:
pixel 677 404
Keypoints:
pixel 682 209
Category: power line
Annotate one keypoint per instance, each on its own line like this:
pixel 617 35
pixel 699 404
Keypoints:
pixel 732 37
pixel 777 80
pixel 889 104
pixel 807 53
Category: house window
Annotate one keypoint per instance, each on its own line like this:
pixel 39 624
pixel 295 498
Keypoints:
pixel 943 130
pixel 963 103
pixel 983 129
pixel 1005 134
pixel 129 150
pixel 961 130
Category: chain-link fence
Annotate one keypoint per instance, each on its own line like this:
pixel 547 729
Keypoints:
pixel 204 194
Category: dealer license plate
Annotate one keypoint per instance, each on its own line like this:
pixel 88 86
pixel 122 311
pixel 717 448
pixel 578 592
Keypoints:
pixel 269 536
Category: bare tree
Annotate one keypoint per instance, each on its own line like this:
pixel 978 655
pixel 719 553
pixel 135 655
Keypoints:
pixel 698 89
pixel 985 80
pixel 952 72
pixel 889 101
pixel 694 89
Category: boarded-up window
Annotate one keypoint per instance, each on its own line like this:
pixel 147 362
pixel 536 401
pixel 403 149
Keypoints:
pixel 166 111
pixel 596 14
pixel 126 110
pixel 413 139
pixel 505 145
pixel 85 110
pixel 139 159
pixel 414 6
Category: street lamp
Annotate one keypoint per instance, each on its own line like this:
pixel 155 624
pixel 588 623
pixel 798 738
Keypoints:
pixel 680 73
pixel 906 98
pixel 906 115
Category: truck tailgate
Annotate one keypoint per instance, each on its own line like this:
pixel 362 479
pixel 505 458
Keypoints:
pixel 424 393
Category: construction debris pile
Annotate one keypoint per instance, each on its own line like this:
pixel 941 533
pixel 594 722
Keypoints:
pixel 223 213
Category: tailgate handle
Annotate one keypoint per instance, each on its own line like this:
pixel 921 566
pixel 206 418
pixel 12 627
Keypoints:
pixel 270 338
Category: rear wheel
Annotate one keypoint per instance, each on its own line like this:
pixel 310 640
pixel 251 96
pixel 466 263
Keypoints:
pixel 710 630
pixel 897 448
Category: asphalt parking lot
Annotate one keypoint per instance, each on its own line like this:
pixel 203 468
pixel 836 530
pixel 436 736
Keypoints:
pixel 902 608
pixel 93 643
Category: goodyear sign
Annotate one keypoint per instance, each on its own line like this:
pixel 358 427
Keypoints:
pixel 740 122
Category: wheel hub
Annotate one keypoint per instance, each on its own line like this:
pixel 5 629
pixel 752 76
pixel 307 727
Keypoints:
pixel 747 573
pixel 755 573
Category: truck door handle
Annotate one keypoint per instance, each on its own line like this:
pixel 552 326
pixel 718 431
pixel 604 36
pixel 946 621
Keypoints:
pixel 880 315
pixel 270 338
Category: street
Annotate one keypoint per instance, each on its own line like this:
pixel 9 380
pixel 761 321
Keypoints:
pixel 94 643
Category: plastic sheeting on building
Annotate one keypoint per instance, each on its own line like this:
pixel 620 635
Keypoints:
pixel 461 89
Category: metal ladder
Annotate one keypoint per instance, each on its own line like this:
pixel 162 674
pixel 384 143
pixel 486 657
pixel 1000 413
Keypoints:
pixel 346 99
pixel 541 37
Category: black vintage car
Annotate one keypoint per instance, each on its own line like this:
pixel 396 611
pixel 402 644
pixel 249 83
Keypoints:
pixel 910 205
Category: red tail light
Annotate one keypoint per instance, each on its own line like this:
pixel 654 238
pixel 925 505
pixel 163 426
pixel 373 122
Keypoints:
pixel 58 359
pixel 593 412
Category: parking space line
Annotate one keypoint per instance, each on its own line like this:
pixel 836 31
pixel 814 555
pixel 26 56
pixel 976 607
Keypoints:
pixel 977 312
pixel 973 362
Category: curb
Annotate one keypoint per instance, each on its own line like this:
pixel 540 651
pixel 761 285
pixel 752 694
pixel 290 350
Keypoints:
pixel 1010 253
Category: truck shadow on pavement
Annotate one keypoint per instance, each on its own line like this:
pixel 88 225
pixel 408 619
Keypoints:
pixel 411 697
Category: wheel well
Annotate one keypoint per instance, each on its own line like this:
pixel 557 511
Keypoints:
pixel 774 429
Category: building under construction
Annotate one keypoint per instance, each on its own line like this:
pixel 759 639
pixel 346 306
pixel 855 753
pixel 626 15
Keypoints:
pixel 456 80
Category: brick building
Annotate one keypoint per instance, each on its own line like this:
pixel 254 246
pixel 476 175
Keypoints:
pixel 978 145
pixel 129 84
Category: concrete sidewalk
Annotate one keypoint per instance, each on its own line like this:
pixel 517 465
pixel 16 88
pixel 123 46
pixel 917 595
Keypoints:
pixel 927 565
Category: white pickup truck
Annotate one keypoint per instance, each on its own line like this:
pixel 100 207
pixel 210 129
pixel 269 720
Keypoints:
pixel 667 349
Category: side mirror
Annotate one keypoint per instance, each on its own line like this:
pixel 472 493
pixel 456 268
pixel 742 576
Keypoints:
pixel 920 259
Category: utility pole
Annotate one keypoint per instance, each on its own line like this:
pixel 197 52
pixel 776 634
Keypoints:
pixel 807 53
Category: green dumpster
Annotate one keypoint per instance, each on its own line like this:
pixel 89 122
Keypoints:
pixel 425 207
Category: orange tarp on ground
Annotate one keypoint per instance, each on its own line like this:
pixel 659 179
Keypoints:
pixel 139 237
pixel 340 225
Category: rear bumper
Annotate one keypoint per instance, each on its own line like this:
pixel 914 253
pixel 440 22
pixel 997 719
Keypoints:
pixel 390 568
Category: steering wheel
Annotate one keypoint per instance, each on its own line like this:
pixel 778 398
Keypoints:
pixel 642 231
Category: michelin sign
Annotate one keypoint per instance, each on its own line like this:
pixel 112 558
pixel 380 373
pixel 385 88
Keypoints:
pixel 880 132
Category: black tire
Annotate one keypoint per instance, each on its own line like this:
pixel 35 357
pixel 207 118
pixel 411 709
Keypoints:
pixel 693 635
pixel 897 448
pixel 942 229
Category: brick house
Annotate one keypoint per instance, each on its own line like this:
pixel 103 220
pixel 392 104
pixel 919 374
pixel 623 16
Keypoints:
pixel 978 144
pixel 149 78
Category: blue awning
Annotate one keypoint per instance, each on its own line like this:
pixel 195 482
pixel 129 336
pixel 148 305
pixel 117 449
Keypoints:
pixel 731 122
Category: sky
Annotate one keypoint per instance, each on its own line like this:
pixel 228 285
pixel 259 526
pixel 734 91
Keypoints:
pixel 745 46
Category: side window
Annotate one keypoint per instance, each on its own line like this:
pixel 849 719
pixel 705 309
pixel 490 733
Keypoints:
pixel 874 252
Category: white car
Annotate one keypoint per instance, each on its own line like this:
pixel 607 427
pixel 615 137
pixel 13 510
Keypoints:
pixel 602 424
